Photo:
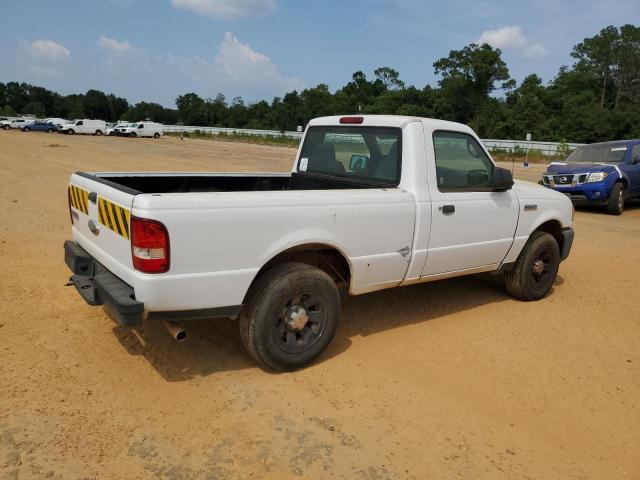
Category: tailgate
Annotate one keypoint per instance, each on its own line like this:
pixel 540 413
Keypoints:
pixel 102 214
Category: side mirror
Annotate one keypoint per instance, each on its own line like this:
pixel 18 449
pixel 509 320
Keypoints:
pixel 501 179
pixel 358 162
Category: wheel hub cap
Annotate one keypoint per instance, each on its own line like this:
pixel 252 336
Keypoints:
pixel 296 317
pixel 538 267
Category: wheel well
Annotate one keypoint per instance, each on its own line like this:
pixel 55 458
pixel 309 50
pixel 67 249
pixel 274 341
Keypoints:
pixel 624 182
pixel 326 258
pixel 554 228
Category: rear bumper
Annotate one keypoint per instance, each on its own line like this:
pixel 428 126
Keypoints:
pixel 567 243
pixel 98 286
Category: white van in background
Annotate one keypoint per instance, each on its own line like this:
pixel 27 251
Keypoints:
pixel 143 129
pixel 93 127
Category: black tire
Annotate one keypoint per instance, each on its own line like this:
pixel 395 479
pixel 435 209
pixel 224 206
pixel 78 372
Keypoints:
pixel 26 129
pixel 6 127
pixel 50 130
pixel 98 133
pixel 536 268
pixel 616 200
pixel 133 134
pixel 71 131
pixel 156 135
pixel 287 293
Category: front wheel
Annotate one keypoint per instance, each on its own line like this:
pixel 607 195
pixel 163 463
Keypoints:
pixel 289 316
pixel 615 206
pixel 133 134
pixel 536 268
pixel 25 129
pixel 71 131
pixel 98 133
pixel 50 130
pixel 156 135
pixel 6 127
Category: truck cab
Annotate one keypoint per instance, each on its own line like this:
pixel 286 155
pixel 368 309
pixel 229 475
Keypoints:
pixel 601 174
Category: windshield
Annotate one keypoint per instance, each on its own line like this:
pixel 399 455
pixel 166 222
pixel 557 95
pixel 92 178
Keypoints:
pixel 598 154
pixel 361 153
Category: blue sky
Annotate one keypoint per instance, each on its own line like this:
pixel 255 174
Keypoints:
pixel 154 50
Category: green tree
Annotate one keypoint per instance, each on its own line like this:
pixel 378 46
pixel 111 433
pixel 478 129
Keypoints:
pixel 469 76
pixel 389 77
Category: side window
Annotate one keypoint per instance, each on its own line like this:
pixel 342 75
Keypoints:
pixel 461 163
pixel 635 153
pixel 141 126
pixel 80 123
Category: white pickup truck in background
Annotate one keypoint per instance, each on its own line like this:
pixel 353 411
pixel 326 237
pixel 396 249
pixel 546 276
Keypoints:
pixel 372 202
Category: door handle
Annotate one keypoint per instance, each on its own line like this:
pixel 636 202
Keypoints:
pixel 448 209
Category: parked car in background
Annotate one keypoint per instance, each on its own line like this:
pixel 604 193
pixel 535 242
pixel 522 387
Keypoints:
pixel 14 123
pixel 93 127
pixel 142 129
pixel 605 174
pixel 56 121
pixel 113 128
pixel 39 126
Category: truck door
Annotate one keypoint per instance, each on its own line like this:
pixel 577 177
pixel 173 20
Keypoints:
pixel 472 226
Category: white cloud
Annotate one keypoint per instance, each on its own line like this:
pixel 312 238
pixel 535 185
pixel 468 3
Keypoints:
pixel 227 9
pixel 50 51
pixel 535 50
pixel 113 47
pixel 504 38
pixel 512 38
pixel 41 71
pixel 245 65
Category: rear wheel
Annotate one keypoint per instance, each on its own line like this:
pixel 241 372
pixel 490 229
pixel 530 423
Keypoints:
pixel 133 134
pixel 536 268
pixel 289 316
pixel 6 127
pixel 98 133
pixel 156 135
pixel 26 129
pixel 71 131
pixel 49 130
pixel 616 200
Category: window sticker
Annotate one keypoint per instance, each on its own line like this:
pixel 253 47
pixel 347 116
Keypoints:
pixel 303 164
pixel 619 149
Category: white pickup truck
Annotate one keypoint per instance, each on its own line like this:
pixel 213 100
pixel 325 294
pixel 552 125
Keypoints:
pixel 372 202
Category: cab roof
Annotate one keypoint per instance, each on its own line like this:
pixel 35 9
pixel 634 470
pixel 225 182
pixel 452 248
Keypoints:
pixel 397 121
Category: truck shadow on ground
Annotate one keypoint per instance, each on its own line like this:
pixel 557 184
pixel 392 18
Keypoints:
pixel 214 346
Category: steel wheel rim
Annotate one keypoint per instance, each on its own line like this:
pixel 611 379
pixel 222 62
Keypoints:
pixel 541 268
pixel 299 340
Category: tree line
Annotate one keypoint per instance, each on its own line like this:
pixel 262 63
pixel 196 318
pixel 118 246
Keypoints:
pixel 595 99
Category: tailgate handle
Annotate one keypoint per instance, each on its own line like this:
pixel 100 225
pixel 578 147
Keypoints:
pixel 93 197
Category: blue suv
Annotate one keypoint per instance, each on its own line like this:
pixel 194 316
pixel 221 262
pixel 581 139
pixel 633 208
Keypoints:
pixel 598 174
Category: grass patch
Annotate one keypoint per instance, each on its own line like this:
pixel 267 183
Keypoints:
pixel 281 141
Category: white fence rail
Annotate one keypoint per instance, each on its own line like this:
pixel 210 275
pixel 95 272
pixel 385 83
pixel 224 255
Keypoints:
pixel 547 148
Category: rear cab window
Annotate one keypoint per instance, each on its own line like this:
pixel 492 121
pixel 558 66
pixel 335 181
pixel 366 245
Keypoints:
pixel 370 154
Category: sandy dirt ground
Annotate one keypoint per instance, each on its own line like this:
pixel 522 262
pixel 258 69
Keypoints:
pixel 452 379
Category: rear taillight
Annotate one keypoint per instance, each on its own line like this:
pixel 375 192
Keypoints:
pixel 149 245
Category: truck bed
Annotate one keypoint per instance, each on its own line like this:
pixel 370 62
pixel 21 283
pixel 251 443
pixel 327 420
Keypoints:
pixel 139 183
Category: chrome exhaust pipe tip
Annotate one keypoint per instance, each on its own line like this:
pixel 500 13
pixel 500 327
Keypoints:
pixel 177 332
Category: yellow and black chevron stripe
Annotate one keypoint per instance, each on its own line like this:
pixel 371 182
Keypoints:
pixel 114 217
pixel 79 199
